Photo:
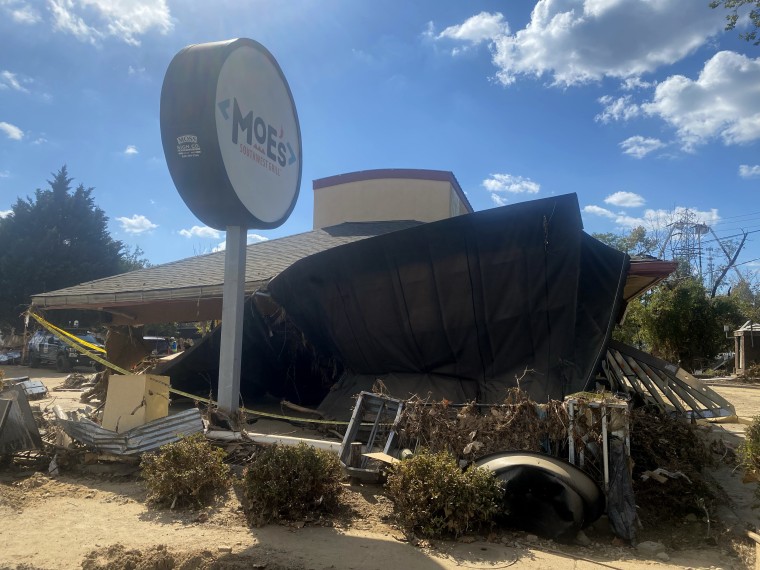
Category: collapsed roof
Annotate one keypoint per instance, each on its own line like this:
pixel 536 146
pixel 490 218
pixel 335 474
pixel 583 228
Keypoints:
pixel 462 308
pixel 191 289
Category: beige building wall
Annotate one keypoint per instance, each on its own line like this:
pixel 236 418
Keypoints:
pixel 380 195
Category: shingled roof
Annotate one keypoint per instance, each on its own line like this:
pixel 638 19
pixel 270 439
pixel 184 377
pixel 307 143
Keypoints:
pixel 191 289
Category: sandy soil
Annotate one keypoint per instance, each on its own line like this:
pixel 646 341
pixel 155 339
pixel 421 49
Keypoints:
pixel 96 517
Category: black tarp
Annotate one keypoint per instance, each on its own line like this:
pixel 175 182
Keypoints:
pixel 464 306
pixel 276 361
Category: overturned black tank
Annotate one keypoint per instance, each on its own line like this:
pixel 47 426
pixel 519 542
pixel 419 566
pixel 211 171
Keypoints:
pixel 545 495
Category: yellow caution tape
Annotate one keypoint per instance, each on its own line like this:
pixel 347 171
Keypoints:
pixel 63 335
pixel 60 333
pixel 65 338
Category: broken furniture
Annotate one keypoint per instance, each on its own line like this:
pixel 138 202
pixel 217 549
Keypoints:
pixel 374 419
pixel 603 416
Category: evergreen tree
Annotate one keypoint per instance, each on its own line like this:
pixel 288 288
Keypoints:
pixel 57 239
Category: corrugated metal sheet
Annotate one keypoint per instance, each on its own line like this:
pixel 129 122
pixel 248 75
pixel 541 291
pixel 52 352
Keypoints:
pixel 135 441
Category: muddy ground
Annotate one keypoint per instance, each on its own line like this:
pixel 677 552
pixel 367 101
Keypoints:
pixel 96 517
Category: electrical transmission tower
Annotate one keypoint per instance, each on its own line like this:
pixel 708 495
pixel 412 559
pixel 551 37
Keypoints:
pixel 685 242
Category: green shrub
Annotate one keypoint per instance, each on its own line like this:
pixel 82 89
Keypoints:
pixel 292 482
pixel 433 496
pixel 749 450
pixel 188 471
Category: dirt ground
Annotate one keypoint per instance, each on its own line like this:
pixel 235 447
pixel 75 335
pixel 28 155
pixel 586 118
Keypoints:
pixel 96 517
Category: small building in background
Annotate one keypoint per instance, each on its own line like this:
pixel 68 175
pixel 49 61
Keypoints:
pixel 388 194
pixel 747 346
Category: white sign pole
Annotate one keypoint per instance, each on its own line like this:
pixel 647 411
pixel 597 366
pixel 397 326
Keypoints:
pixel 232 320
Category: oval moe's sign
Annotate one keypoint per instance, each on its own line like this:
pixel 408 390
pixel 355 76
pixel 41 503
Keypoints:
pixel 231 135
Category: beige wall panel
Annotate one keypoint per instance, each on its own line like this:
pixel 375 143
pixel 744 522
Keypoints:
pixel 135 400
pixel 382 199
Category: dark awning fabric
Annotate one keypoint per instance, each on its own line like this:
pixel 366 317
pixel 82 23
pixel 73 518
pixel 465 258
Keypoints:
pixel 275 360
pixel 478 299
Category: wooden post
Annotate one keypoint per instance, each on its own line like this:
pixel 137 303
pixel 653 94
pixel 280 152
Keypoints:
pixel 355 455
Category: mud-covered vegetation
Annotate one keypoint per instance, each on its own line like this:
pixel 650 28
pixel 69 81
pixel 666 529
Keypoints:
pixel 185 473
pixel 291 483
pixel 432 496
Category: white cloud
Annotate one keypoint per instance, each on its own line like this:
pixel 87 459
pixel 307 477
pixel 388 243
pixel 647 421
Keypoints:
pixel 250 238
pixel 131 150
pixel 655 219
pixel 510 183
pixel 723 102
pixel 201 232
pixel 578 41
pixel 131 70
pixel 625 200
pixel 499 200
pixel 39 140
pixel 639 147
pixel 747 171
pixel 5 174
pixel 633 83
pixel 11 131
pixel 255 238
pixel 599 211
pixel 67 21
pixel 5 213
pixel 660 218
pixel 137 224
pixel 25 14
pixel 10 80
pixel 477 29
pixel 93 20
pixel 620 109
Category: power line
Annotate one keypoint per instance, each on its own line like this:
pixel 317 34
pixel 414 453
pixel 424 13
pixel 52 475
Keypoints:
pixel 739 216
pixel 729 237
pixel 746 262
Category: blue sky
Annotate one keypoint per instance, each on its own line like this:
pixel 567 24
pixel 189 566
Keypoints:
pixel 641 107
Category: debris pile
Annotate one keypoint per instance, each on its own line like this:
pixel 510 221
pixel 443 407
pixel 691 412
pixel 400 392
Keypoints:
pixel 671 445
pixel 472 431
pixel 78 381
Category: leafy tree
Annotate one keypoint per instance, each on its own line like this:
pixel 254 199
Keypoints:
pixel 637 242
pixel 733 16
pixel 56 239
pixel 678 322
pixel 133 259
pixel 747 298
